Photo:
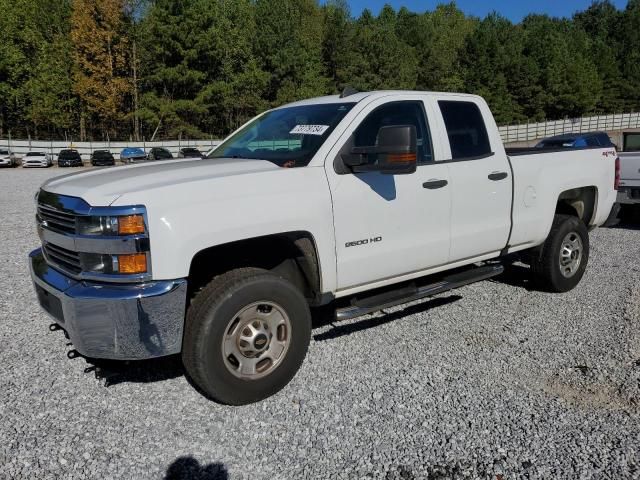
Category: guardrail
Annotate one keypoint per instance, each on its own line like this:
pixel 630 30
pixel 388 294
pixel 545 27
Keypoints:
pixel 20 147
pixel 534 131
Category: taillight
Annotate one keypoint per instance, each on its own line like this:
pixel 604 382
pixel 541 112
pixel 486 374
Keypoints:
pixel 616 182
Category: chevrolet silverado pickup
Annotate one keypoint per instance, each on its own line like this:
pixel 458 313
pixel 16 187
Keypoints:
pixel 629 192
pixel 359 201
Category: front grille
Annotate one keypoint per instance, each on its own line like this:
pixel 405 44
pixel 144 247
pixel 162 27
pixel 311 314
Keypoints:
pixel 63 258
pixel 57 219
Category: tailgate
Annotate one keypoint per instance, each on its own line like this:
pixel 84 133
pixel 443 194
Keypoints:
pixel 630 169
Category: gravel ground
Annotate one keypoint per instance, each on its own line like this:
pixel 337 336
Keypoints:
pixel 490 381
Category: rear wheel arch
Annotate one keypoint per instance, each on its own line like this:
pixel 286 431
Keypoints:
pixel 578 202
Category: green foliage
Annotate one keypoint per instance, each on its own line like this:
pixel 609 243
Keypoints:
pixel 169 68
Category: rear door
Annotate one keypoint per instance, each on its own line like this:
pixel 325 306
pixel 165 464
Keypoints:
pixel 481 183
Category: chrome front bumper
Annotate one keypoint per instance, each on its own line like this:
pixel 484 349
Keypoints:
pixel 118 321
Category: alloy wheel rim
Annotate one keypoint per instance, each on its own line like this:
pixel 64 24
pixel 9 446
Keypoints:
pixel 256 340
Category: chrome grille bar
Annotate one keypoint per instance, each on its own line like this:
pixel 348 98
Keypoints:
pixel 57 219
pixel 62 258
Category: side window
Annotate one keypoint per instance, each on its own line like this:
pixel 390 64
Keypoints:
pixel 396 113
pixel 466 130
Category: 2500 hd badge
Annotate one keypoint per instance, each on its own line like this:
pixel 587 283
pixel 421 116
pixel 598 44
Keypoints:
pixel 363 242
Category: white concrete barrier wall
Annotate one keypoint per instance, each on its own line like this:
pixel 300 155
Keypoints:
pixel 534 131
pixel 20 147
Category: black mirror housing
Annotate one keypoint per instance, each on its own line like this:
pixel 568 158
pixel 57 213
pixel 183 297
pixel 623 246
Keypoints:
pixel 395 152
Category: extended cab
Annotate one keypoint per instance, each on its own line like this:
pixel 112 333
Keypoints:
pixel 359 201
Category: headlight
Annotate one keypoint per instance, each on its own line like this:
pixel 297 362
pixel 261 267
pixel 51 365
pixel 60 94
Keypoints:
pixel 114 264
pixel 120 225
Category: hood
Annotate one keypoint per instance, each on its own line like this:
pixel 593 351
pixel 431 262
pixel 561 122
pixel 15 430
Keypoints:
pixel 102 187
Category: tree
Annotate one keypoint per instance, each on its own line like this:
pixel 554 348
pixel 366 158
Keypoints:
pixel 568 77
pixel 491 60
pixel 601 23
pixel 438 38
pixel 35 82
pixel 336 40
pixel 379 59
pixel 101 70
pixel 628 35
pixel 289 47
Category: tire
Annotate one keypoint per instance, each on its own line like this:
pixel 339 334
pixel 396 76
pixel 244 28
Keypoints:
pixel 231 306
pixel 552 273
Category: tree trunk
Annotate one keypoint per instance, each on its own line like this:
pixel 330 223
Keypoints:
pixel 136 118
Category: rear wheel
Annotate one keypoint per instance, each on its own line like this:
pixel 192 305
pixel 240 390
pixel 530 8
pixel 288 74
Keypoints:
pixel 559 264
pixel 246 335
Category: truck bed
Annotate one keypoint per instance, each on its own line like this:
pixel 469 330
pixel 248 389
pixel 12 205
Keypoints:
pixel 541 176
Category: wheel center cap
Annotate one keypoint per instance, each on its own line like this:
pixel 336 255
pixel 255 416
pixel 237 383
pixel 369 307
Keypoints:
pixel 260 342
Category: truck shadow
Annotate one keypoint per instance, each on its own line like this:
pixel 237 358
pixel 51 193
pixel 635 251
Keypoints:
pixel 114 372
pixel 325 316
pixel 628 219
pixel 515 276
pixel 188 468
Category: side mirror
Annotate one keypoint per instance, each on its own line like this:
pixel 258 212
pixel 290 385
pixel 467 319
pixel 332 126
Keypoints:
pixel 395 152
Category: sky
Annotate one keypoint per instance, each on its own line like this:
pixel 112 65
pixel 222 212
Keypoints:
pixel 515 10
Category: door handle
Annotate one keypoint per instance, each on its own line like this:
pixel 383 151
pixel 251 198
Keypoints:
pixel 434 184
pixel 496 176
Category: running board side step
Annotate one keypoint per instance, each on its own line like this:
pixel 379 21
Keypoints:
pixel 411 293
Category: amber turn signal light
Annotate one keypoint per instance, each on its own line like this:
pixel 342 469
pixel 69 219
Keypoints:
pixel 135 263
pixel 130 225
pixel 402 158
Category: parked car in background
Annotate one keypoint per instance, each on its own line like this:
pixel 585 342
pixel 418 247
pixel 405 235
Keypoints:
pixel 577 140
pixel 69 158
pixel 629 191
pixel 102 158
pixel 190 152
pixel 158 153
pixel 132 155
pixel 7 158
pixel 37 159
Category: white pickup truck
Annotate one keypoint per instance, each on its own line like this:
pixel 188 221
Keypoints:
pixel 629 192
pixel 361 201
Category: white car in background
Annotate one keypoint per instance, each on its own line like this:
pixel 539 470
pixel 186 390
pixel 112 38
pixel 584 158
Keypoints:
pixel 7 158
pixel 37 159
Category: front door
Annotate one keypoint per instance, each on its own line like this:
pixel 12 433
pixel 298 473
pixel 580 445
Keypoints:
pixel 389 225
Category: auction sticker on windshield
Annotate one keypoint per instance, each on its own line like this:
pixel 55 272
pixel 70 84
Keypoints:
pixel 309 130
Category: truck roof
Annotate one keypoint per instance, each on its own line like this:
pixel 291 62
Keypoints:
pixel 359 96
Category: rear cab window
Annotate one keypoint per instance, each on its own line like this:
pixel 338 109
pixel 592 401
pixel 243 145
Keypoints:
pixel 467 132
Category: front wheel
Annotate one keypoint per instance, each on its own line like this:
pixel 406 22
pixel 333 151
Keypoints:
pixel 246 335
pixel 559 264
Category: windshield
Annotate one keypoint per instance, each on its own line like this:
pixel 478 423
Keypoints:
pixel 288 137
